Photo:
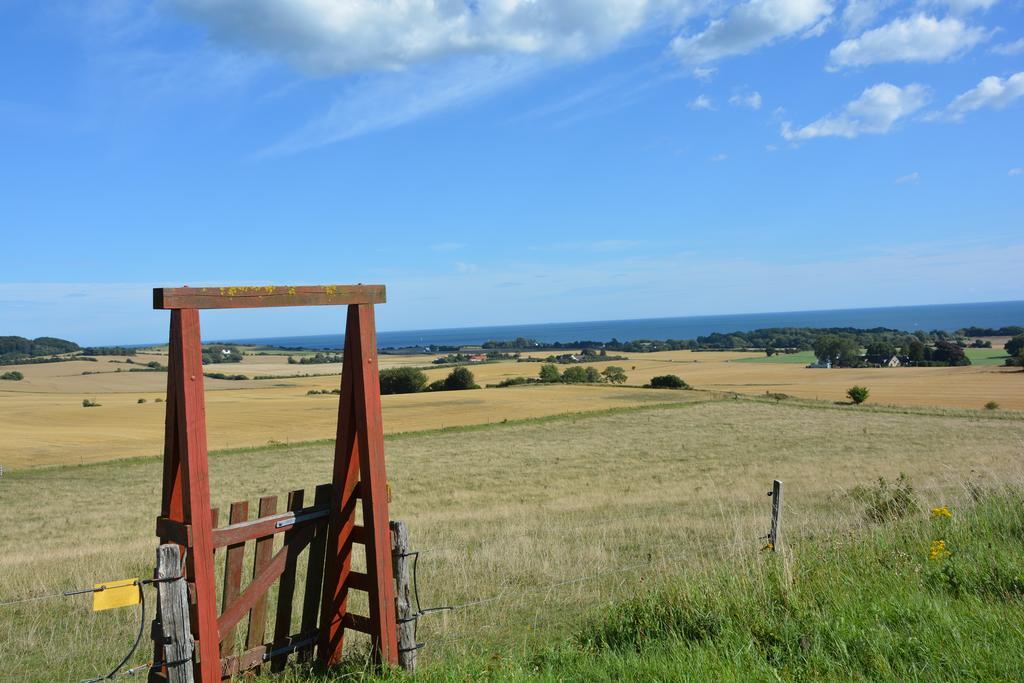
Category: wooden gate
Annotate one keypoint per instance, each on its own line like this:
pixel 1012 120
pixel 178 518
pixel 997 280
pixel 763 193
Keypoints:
pixel 327 526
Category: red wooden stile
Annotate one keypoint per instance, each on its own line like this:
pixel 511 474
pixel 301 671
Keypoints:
pixel 359 475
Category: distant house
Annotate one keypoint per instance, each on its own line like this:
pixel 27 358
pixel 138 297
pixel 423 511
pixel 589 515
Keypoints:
pixel 478 358
pixel 827 363
pixel 893 362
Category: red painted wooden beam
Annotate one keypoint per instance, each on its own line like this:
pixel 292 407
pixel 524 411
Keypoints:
pixel 266 297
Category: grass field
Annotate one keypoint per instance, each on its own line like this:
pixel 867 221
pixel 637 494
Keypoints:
pixel 44 423
pixel 603 505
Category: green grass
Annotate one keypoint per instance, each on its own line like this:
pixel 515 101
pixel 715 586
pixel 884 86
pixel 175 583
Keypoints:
pixel 870 606
pixel 801 357
pixel 986 356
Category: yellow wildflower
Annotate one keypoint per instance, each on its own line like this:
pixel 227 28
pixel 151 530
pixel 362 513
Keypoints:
pixel 938 550
pixel 943 511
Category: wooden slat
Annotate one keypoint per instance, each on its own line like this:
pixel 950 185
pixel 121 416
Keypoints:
pixel 359 534
pixel 250 659
pixel 286 590
pixel 358 622
pixel 264 548
pixel 264 526
pixel 262 582
pixel 233 573
pixel 267 296
pixel 359 581
pixel 314 573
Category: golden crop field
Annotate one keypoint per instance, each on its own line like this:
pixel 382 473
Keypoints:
pixel 534 523
pixel 44 423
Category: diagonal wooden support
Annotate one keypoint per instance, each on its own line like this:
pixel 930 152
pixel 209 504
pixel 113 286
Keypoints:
pixel 359 457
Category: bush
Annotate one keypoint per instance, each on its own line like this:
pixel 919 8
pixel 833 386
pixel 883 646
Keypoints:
pixel 141 400
pixel 1015 345
pixel 885 502
pixel 858 394
pixel 516 381
pixel 436 385
pixel 86 403
pixel 158 400
pixel 992 405
pixel 549 373
pixel 614 374
pixel 575 375
pixel 402 381
pixel 460 378
pixel 13 375
pixel 668 382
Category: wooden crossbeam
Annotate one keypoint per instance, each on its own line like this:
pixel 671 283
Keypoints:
pixel 266 297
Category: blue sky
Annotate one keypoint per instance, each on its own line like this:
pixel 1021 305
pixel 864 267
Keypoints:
pixel 505 161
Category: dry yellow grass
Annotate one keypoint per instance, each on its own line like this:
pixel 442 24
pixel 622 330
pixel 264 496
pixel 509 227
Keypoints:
pixel 44 423
pixel 610 503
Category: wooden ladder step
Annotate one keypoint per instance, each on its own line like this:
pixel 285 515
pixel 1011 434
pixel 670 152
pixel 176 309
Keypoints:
pixel 357 622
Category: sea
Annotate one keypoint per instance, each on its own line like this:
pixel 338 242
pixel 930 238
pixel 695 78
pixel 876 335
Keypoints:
pixel 949 317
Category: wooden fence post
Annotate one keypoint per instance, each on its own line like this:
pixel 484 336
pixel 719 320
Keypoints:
pixel 178 645
pixel 404 614
pixel 774 534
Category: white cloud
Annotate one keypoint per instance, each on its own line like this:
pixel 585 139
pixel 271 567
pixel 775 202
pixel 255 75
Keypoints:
pixel 1009 49
pixel 861 13
pixel 919 38
pixel 909 178
pixel 719 157
pixel 1016 171
pixel 327 36
pixel 702 102
pixel 876 111
pixel 992 91
pixel 748 26
pixel 392 100
pixel 752 100
pixel 704 73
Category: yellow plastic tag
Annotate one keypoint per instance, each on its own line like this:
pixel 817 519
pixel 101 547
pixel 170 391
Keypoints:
pixel 123 593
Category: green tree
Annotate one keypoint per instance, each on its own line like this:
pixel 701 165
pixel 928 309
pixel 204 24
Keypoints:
pixel 668 382
pixel 614 374
pixel 549 373
pixel 880 351
pixel 914 350
pixel 13 375
pixel 460 378
pixel 574 375
pixel 858 394
pixel 948 352
pixel 402 381
pixel 593 376
pixel 1015 345
pixel 839 349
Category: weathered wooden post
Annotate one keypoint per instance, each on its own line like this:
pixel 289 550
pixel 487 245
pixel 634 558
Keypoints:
pixel 172 594
pixel 405 616
pixel 773 535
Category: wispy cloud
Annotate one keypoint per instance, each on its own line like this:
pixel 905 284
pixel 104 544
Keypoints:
pixel 876 111
pixel 751 100
pixel 991 92
pixel 919 38
pixel 391 100
pixel 702 102
pixel 1016 171
pixel 909 178
pixel 1009 49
